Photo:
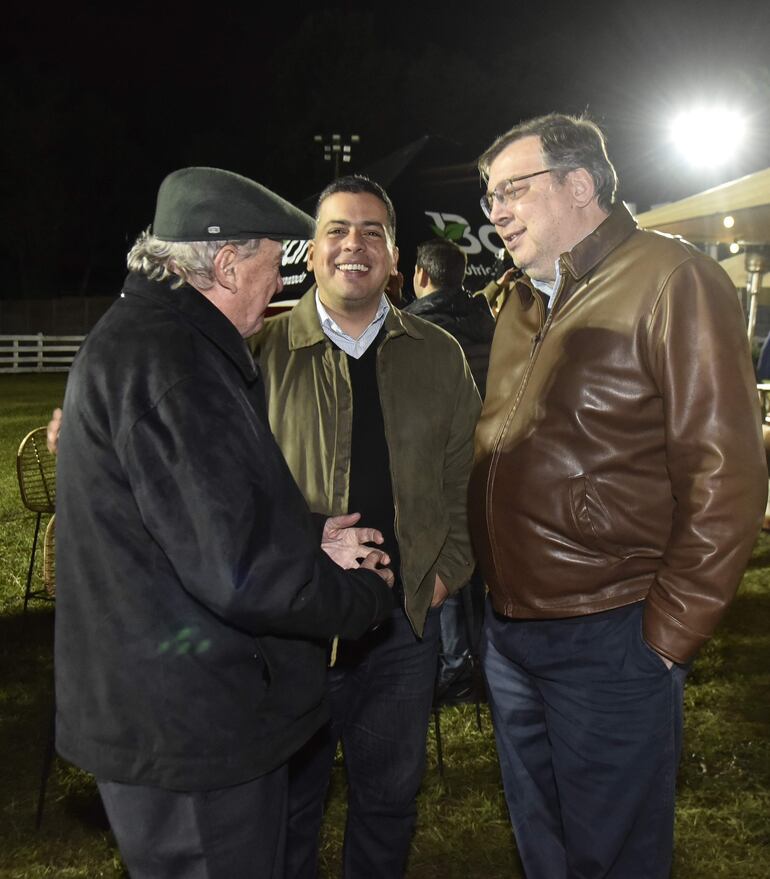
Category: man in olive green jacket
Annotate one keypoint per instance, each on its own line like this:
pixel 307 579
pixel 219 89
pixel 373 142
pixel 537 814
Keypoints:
pixel 374 411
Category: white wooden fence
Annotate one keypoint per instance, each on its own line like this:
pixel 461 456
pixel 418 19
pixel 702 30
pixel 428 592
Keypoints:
pixel 38 353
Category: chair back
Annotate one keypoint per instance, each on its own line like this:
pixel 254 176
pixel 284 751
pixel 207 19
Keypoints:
pixel 36 469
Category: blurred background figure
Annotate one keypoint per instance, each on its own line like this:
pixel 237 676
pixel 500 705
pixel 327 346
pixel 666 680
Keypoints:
pixel 440 298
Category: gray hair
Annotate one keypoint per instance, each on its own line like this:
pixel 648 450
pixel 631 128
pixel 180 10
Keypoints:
pixel 192 262
pixel 568 143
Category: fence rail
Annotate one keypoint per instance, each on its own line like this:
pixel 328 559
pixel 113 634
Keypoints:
pixel 38 353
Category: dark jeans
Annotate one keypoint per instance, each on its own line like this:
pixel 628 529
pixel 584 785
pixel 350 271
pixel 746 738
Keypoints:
pixel 381 692
pixel 588 723
pixel 234 833
pixel 461 616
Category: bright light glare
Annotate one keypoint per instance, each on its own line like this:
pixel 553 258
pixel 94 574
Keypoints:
pixel 735 247
pixel 728 222
pixel 708 136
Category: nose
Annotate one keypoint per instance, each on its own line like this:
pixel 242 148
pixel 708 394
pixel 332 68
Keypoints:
pixel 353 240
pixel 500 214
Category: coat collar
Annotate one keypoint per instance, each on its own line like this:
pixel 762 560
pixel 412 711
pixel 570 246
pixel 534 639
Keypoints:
pixel 587 254
pixel 305 328
pixel 198 311
pixel 441 299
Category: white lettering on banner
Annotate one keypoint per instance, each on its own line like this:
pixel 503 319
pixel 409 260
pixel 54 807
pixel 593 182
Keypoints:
pixel 289 280
pixel 477 270
pixel 468 242
pixel 294 252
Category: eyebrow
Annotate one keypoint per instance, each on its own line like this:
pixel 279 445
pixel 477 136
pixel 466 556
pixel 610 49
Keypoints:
pixel 351 223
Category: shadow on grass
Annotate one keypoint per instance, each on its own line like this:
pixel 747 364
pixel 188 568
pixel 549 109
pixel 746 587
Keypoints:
pixel 26 694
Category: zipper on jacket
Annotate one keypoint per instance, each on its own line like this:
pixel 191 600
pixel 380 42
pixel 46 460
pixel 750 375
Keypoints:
pixel 545 323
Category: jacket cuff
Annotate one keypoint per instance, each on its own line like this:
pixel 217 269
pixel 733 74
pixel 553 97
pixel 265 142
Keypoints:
pixel 386 600
pixel 668 635
pixel 319 520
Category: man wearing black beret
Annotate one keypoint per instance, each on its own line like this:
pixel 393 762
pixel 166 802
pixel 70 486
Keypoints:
pixel 193 597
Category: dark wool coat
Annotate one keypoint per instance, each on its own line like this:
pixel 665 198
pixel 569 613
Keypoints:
pixel 191 584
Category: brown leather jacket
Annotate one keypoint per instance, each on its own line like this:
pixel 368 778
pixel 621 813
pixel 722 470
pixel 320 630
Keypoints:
pixel 619 454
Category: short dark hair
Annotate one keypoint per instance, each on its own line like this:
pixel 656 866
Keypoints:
pixel 443 261
pixel 357 183
pixel 568 142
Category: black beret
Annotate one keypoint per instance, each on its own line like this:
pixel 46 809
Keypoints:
pixel 208 204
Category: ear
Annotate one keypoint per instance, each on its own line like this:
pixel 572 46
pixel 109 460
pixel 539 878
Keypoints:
pixel 224 267
pixel 309 259
pixel 582 187
pixel 394 270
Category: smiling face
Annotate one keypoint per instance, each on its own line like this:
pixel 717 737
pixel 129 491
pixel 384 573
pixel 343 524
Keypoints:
pixel 353 254
pixel 542 220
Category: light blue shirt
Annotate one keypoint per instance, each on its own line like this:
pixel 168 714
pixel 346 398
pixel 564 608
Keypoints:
pixel 353 347
pixel 548 288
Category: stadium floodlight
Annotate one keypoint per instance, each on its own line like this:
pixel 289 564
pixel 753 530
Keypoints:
pixel 708 136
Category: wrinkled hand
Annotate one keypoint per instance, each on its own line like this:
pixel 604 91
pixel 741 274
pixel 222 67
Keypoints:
pixel 52 432
pixel 346 545
pixel 440 593
pixel 372 561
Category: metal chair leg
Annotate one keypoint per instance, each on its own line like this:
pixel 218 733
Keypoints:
pixel 28 589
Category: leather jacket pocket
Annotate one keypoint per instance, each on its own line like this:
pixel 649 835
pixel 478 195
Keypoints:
pixel 591 517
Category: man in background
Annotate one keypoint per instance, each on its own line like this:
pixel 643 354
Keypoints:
pixel 441 299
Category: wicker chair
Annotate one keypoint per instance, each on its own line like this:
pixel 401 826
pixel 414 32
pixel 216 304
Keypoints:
pixel 49 558
pixel 36 469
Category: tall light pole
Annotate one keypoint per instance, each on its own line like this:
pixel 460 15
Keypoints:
pixel 337 148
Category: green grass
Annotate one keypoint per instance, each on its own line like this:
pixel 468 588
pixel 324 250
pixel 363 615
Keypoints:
pixel 724 789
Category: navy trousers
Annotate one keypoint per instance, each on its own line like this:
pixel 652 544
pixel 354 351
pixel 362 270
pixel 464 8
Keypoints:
pixel 588 723
pixel 381 691
pixel 234 833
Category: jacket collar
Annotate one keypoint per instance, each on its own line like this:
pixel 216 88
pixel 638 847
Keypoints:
pixel 441 299
pixel 198 311
pixel 587 254
pixel 305 328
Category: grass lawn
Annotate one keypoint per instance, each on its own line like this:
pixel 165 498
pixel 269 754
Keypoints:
pixel 723 826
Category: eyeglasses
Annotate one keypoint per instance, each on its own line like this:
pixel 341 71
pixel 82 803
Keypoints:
pixel 507 192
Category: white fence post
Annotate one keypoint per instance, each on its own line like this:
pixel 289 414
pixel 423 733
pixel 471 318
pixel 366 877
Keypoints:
pixel 38 353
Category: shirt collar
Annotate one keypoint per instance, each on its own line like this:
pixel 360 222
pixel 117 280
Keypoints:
pixel 354 347
pixel 547 288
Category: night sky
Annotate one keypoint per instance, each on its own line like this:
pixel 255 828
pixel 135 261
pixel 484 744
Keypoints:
pixel 98 105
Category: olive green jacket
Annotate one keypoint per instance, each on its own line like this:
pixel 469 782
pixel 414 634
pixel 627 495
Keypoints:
pixel 430 406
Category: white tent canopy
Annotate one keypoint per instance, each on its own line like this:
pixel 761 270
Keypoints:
pixel 700 218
